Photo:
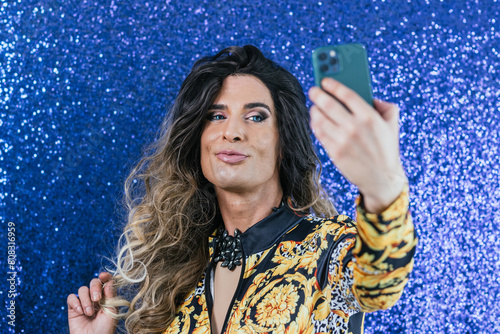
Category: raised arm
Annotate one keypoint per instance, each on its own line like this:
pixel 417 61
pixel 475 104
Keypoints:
pixel 363 142
pixel 383 253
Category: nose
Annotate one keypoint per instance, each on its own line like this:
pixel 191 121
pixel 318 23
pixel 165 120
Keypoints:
pixel 234 130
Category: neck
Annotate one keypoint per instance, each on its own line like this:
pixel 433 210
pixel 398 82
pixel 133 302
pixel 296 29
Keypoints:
pixel 243 210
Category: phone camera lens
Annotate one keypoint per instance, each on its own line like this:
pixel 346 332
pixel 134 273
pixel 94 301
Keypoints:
pixel 333 61
pixel 323 68
pixel 322 56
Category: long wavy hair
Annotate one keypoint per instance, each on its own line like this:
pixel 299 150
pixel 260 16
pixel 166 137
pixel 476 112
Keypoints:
pixel 163 250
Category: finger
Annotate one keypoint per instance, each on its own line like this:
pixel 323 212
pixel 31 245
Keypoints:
pixel 109 292
pixel 331 143
pixel 104 276
pixel 84 295
pixel 390 114
pixel 388 111
pixel 322 125
pixel 106 279
pixel 329 106
pixel 96 289
pixel 74 303
pixel 355 103
pixel 327 133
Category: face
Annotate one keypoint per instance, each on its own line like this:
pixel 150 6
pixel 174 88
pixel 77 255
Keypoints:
pixel 239 142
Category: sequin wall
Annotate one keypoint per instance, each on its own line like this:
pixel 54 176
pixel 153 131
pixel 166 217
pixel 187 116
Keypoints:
pixel 85 85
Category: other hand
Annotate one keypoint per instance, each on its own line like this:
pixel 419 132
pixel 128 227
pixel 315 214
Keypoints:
pixel 84 314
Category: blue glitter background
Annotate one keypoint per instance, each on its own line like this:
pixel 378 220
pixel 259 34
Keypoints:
pixel 85 85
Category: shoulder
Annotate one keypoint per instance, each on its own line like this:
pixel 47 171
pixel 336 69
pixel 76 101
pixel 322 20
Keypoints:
pixel 326 231
pixel 340 219
pixel 339 224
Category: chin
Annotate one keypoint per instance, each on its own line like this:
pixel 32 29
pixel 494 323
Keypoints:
pixel 236 187
pixel 234 183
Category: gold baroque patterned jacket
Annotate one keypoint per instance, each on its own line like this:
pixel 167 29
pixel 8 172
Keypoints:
pixel 303 274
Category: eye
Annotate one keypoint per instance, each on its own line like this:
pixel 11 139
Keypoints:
pixel 257 118
pixel 215 117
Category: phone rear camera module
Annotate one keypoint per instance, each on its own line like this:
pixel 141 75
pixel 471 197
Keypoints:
pixel 333 61
pixel 322 56
pixel 323 68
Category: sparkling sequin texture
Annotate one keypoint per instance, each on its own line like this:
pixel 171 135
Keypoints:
pixel 84 86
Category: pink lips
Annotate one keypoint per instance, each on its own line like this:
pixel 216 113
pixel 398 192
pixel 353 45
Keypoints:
pixel 231 157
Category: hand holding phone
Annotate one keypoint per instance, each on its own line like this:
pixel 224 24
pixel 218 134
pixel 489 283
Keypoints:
pixel 346 63
pixel 363 142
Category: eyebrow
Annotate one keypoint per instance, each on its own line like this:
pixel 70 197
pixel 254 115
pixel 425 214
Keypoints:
pixel 247 106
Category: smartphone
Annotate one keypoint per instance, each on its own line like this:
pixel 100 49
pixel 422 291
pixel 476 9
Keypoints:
pixel 347 63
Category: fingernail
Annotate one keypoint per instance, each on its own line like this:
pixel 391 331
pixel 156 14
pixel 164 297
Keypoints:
pixel 88 310
pixel 79 310
pixel 95 296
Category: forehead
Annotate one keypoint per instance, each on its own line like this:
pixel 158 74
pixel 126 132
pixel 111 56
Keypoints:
pixel 244 88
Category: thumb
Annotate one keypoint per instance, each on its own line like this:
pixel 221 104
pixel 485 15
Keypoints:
pixel 109 292
pixel 108 286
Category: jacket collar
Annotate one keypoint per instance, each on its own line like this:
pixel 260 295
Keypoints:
pixel 266 232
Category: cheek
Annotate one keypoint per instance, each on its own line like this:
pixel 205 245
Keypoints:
pixel 271 149
pixel 204 152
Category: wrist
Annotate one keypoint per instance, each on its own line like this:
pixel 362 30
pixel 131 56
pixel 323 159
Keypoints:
pixel 382 199
pixel 377 206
